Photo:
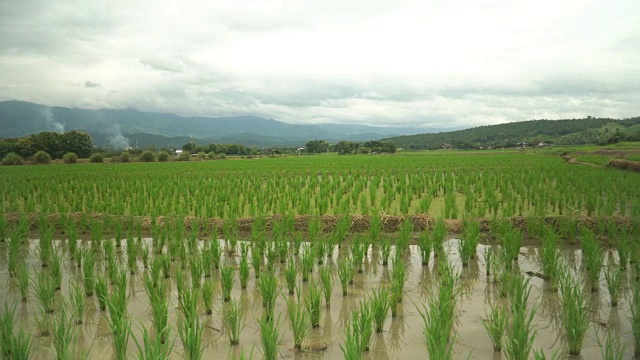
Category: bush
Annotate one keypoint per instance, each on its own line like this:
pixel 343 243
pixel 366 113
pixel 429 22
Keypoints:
pixel 624 164
pixel 125 157
pixel 202 155
pixel 96 158
pixel 222 156
pixel 211 155
pixel 12 159
pixel 70 158
pixel 148 156
pixel 163 156
pixel 115 159
pixel 184 156
pixel 41 157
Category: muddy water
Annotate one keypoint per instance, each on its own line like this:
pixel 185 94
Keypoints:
pixel 402 337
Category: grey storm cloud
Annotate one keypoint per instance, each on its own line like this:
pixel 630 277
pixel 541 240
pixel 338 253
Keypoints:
pixel 437 64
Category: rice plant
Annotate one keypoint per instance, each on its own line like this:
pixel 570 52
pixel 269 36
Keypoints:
pixel 152 348
pixel 495 323
pixel 425 246
pixel 226 281
pixel 7 320
pixel 351 349
pixel 306 263
pixel 55 263
pixel 269 336
pixel 190 332
pixel 385 250
pixel 119 323
pixel 64 335
pixel 612 348
pixel 88 271
pixel 345 273
pixel 159 309
pixel 575 314
pixel 550 258
pixel 21 345
pixel 364 325
pixel 102 292
pixel 299 320
pixel 326 276
pixel 469 241
pixel 268 287
pixel 635 319
pixel 592 257
pixel 44 288
pixel 23 282
pixel 77 302
pixel 232 313
pixel 312 303
pixel 15 240
pixel 613 278
pixel 290 275
pixel 380 304
pixel 244 269
pixel 207 296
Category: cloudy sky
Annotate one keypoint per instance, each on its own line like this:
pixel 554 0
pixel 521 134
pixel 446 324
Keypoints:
pixel 453 63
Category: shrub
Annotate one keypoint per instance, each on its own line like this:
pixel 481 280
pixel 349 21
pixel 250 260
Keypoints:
pixel 12 159
pixel 184 156
pixel 211 155
pixel 624 164
pixel 148 156
pixel 222 156
pixel 70 158
pixel 202 155
pixel 41 157
pixel 125 157
pixel 163 156
pixel 97 158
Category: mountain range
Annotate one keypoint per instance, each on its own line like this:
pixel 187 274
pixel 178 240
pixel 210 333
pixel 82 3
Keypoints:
pixel 130 127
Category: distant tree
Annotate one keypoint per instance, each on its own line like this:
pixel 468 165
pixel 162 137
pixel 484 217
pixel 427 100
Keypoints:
pixel 41 157
pixel 184 156
pixel 77 142
pixel 97 158
pixel 147 156
pixel 163 156
pixel 317 146
pixel 70 158
pixel 125 157
pixel 345 147
pixel 189 147
pixel 12 159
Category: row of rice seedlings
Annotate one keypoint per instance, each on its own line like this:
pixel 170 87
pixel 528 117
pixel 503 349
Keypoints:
pixel 592 257
pixel 313 303
pixel 575 313
pixel 13 344
pixel 232 313
pixel 440 314
pixel 345 273
pixel 299 319
pixel 268 288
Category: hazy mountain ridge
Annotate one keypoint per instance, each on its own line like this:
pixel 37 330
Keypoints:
pixel 112 127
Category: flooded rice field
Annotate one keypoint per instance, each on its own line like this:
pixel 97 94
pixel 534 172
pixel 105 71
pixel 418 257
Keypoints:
pixel 402 335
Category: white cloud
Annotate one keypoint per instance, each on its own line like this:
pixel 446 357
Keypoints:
pixel 414 63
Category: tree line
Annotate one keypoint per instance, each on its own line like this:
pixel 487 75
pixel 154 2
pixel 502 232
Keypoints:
pixel 351 147
pixel 54 144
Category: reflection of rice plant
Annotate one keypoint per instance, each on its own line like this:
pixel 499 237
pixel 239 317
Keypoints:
pixel 495 323
pixel 23 281
pixel 77 302
pixel 313 302
pixel 226 281
pixel 232 318
pixel 380 304
pixel 299 321
pixel 290 275
pixel 152 348
pixel 326 276
pixel 268 287
pixel 575 314
pixel 269 335
pixel 613 278
pixel 44 290
pixel 345 273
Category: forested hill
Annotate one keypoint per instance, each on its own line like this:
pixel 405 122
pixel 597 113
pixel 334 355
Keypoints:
pixel 558 132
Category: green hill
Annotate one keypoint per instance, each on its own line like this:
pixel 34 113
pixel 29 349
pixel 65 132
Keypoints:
pixel 557 132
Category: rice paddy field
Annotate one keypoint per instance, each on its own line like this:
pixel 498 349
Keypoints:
pixel 439 255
